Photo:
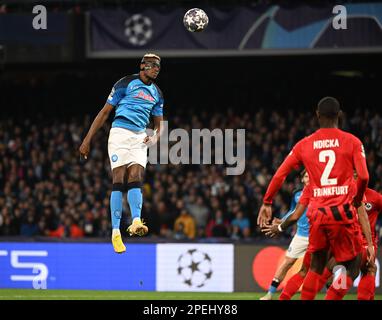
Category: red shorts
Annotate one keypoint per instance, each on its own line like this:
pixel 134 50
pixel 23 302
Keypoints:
pixel 341 239
pixel 307 257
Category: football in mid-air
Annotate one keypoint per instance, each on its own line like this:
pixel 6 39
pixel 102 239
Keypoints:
pixel 195 20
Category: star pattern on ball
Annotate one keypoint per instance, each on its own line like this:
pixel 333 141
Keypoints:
pixel 189 20
pixel 195 20
pixel 200 25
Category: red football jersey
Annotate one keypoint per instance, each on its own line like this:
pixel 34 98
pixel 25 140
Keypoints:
pixel 330 157
pixel 373 206
pixel 306 195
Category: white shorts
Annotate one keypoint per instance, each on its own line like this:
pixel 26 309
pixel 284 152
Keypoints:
pixel 126 147
pixel 297 247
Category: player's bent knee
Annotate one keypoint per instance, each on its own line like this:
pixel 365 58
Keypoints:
pixel 118 174
pixel 289 262
pixel 135 172
pixel 303 271
pixel 118 187
pixel 132 185
pixel 135 179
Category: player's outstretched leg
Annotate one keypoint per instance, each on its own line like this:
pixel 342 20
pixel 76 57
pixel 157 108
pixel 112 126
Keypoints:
pixel 116 209
pixel 292 286
pixel 134 196
pixel 135 200
pixel 296 281
pixel 279 277
pixel 337 290
pixel 366 287
pixel 326 275
pixel 312 281
pixel 272 289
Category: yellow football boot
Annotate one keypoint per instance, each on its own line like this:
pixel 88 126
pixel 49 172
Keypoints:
pixel 137 228
pixel 118 245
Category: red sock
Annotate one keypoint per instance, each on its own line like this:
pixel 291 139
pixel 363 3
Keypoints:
pixel 336 292
pixel 324 278
pixel 310 286
pixel 366 287
pixel 291 287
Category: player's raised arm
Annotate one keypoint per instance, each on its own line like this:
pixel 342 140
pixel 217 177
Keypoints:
pixel 290 162
pixel 289 220
pixel 98 122
pixel 276 228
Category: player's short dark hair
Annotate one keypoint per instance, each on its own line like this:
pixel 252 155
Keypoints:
pixel 329 107
pixel 302 173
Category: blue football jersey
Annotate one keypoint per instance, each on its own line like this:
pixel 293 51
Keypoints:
pixel 302 223
pixel 134 102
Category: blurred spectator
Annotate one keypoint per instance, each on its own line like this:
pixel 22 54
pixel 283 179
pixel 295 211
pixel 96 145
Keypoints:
pixel 197 208
pixel 179 233
pixel 41 228
pixel 185 223
pixel 240 226
pixel 89 225
pixel 68 229
pixel 218 226
pixel 3 8
pixel 104 230
pixel 29 228
pixel 6 226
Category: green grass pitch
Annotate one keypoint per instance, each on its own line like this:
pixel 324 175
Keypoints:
pixel 29 294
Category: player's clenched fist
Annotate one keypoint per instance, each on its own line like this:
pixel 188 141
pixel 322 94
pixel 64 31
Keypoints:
pixel 84 149
pixel 150 140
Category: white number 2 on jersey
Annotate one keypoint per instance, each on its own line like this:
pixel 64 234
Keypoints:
pixel 325 181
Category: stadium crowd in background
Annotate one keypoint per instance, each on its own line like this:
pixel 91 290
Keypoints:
pixel 46 191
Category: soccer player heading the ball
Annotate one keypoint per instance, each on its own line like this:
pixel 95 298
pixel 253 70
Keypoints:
pixel 134 98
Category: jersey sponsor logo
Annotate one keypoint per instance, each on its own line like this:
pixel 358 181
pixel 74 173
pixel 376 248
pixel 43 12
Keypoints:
pixel 327 143
pixel 114 158
pixel 330 191
pixel 144 96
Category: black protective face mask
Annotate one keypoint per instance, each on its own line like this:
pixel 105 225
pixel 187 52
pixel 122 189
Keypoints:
pixel 151 64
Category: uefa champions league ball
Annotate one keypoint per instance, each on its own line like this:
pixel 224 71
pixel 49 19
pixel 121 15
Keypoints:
pixel 195 20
